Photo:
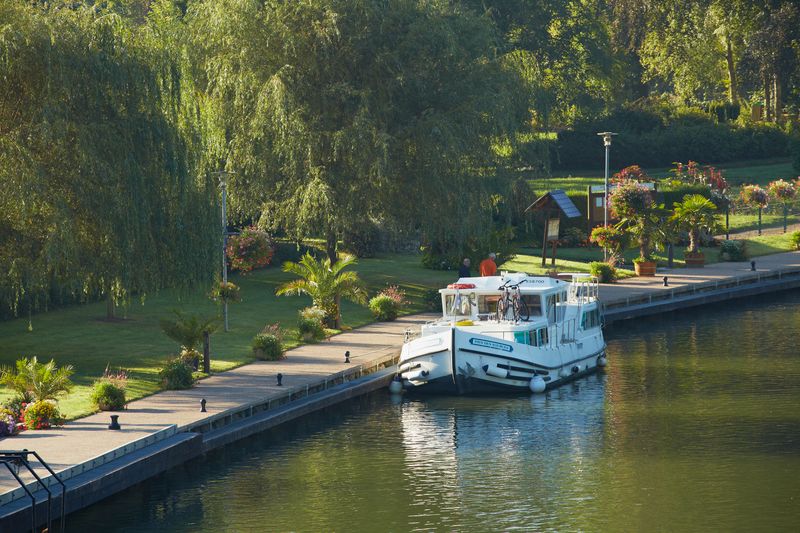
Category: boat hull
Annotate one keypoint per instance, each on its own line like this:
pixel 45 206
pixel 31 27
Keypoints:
pixel 461 362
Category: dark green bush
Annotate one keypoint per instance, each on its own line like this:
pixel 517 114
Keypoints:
pixel 176 375
pixel 733 251
pixel 432 300
pixel 604 272
pixel 311 324
pixel 383 308
pixel 267 347
pixel 108 396
pixel 362 240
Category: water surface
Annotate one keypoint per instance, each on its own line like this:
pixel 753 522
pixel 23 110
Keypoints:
pixel 695 426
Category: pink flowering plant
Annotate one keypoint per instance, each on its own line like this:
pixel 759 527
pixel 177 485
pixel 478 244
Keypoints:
pixel 639 216
pixel 754 196
pixel 784 192
pixel 249 250
pixel 630 173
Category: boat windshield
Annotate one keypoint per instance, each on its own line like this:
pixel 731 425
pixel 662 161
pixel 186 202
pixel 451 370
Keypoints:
pixel 459 304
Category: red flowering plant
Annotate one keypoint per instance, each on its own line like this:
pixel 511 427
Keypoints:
pixel 712 177
pixel 632 173
pixel 249 250
pixel 639 216
pixel 612 239
pixel 754 196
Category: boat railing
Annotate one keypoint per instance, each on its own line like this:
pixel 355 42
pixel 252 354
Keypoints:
pixel 583 290
pixel 562 332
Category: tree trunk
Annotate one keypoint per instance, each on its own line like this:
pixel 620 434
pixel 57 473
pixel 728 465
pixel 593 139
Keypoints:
pixel 733 89
pixel 337 320
pixel 778 98
pixel 110 306
pixel 330 246
pixel 767 99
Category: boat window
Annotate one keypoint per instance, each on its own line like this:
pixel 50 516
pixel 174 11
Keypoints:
pixel 521 337
pixel 590 319
pixel 488 304
pixel 459 304
pixel 538 337
pixel 534 303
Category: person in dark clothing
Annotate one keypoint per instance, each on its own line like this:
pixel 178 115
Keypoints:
pixel 463 271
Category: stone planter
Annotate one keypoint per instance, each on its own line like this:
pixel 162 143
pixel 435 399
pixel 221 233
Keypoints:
pixel 645 268
pixel 694 260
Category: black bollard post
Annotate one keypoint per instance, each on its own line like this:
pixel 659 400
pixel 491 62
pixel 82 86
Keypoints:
pixel 752 266
pixel 665 281
pixel 280 378
pixel 203 406
pixel 114 422
pixel 347 356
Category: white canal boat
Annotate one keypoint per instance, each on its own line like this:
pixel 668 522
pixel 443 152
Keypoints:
pixel 510 332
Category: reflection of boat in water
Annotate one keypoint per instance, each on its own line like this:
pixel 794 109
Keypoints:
pixel 508 332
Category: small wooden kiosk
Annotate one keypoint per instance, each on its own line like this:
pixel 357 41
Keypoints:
pixel 553 205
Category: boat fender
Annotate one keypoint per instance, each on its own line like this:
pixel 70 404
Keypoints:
pixel 601 361
pixel 537 384
pixel 461 286
pixel 465 323
pixel 564 373
pixel 396 386
pixel 575 369
pixel 496 372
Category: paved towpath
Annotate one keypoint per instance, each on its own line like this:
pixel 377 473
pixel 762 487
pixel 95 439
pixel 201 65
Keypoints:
pixel 89 437
pixel 83 439
pixel 680 277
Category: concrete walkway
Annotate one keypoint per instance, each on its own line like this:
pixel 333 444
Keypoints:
pixel 82 440
pixel 87 438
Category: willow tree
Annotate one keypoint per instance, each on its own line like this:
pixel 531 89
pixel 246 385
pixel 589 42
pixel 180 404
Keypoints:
pixel 98 191
pixel 337 111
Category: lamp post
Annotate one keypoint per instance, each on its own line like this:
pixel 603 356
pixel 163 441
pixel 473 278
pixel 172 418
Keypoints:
pixel 606 135
pixel 222 175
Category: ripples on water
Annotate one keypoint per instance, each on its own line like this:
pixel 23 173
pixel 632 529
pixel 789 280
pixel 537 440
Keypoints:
pixel 694 427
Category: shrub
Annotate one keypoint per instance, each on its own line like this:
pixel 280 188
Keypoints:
pixel 108 396
pixel 190 358
pixel 733 251
pixel 31 379
pixel 432 299
pixel 249 250
pixel 267 347
pixel 42 414
pixel 574 237
pixel 8 423
pixel 362 240
pixel 604 272
pixel 612 239
pixel 795 239
pixel 176 375
pixel 311 324
pixel 383 308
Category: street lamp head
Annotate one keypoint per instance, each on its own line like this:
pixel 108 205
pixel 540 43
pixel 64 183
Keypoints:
pixel 606 135
pixel 222 176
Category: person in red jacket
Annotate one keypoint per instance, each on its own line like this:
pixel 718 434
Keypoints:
pixel 488 266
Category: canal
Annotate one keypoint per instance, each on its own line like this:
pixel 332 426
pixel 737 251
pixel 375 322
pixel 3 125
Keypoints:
pixel 695 426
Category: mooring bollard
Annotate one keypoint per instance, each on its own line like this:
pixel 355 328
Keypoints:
pixel 752 266
pixel 665 281
pixel 203 406
pixel 114 422
pixel 347 356
pixel 280 378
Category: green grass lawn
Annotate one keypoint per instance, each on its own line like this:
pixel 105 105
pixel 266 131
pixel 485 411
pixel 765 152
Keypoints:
pixel 739 173
pixel 80 336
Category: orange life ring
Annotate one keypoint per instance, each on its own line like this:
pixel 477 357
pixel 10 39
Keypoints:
pixel 461 286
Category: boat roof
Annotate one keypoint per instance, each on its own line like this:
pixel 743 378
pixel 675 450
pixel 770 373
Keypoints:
pixel 494 283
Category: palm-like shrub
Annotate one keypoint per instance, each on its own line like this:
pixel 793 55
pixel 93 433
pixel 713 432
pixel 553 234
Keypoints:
pixel 325 283
pixel 188 330
pixel 37 381
pixel 694 214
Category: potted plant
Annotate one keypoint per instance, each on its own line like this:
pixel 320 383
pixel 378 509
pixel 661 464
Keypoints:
pixel 785 192
pixel 108 392
pixel 755 196
pixel 642 219
pixel 694 214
